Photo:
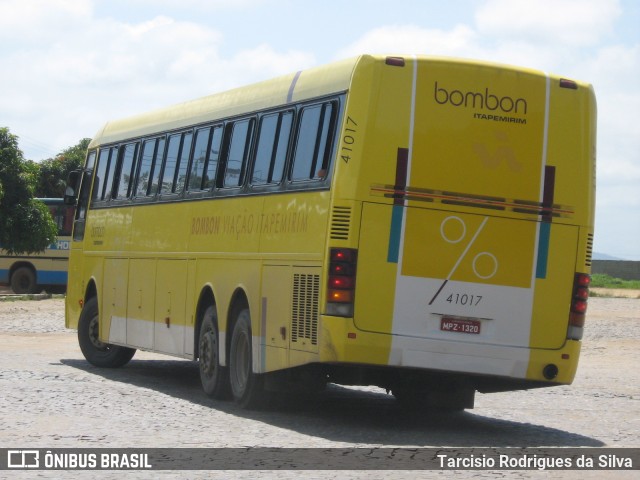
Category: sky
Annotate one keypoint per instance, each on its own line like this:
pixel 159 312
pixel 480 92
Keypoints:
pixel 68 66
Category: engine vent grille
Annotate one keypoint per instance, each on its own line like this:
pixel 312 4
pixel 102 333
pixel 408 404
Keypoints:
pixel 589 252
pixel 340 223
pixel 304 315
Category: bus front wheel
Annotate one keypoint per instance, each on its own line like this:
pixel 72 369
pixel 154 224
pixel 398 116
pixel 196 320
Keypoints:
pixel 94 350
pixel 247 387
pixel 214 377
pixel 23 281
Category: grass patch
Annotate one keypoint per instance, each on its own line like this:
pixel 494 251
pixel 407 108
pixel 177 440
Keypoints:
pixel 601 280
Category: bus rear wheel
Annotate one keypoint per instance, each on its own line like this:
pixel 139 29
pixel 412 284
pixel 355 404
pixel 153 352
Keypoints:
pixel 23 281
pixel 214 377
pixel 247 387
pixel 94 350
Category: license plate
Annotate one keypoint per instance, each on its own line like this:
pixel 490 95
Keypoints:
pixel 461 325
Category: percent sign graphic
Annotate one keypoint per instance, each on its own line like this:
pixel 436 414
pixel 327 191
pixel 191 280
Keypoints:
pixel 459 238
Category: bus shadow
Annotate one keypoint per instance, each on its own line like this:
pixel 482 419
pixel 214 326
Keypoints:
pixel 347 415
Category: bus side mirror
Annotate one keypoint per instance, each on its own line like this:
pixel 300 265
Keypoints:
pixel 71 192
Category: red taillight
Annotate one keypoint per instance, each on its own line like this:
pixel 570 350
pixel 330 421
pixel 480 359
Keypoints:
pixel 342 281
pixel 342 269
pixel 583 280
pixel 347 255
pixel 580 306
pixel 580 296
pixel 582 293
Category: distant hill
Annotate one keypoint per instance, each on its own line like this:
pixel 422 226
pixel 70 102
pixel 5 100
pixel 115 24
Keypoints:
pixel 603 256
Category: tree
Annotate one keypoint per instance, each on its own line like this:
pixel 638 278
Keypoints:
pixel 53 173
pixel 26 225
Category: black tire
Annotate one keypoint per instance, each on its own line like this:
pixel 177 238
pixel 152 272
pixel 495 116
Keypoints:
pixel 96 352
pixel 214 377
pixel 247 387
pixel 23 281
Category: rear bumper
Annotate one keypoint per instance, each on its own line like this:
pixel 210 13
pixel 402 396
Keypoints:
pixel 343 343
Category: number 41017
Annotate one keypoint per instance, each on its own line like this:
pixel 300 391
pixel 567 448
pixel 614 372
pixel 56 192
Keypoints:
pixel 464 299
pixel 348 139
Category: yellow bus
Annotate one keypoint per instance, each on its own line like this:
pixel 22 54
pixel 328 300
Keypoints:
pixel 417 223
pixel 48 269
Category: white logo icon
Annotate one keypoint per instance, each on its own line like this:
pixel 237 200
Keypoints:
pixel 23 459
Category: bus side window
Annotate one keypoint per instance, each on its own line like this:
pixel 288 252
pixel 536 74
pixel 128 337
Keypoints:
pixel 149 163
pixel 239 147
pixel 63 216
pixel 199 160
pixel 271 150
pixel 183 162
pixel 107 191
pixel 67 223
pixel 176 163
pixel 156 167
pixel 276 171
pixel 170 164
pixel 145 167
pixel 127 162
pixel 311 159
pixel 101 173
pixel 57 214
pixel 213 160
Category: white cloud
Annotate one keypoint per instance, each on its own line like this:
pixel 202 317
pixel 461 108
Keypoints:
pixel 264 58
pixel 411 39
pixel 556 22
pixel 461 41
pixel 203 4
pixel 78 71
pixel 614 72
pixel 34 21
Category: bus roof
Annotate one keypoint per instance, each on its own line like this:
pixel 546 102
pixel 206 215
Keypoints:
pixel 299 86
pixel 312 83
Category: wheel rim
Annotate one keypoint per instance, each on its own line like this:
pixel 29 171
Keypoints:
pixel 208 354
pixel 94 334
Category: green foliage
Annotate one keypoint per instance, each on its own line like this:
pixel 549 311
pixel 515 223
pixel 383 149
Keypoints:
pixel 53 172
pixel 31 229
pixel 601 280
pixel 25 224
pixel 15 175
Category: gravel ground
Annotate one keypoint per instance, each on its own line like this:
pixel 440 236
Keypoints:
pixel 51 398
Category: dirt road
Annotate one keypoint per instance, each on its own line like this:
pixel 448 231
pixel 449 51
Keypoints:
pixel 52 398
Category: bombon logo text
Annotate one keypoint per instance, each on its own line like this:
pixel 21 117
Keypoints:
pixel 483 100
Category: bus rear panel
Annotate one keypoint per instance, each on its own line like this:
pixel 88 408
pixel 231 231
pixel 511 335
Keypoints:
pixel 471 219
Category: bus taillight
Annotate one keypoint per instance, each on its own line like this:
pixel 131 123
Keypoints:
pixel 342 281
pixel 579 301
